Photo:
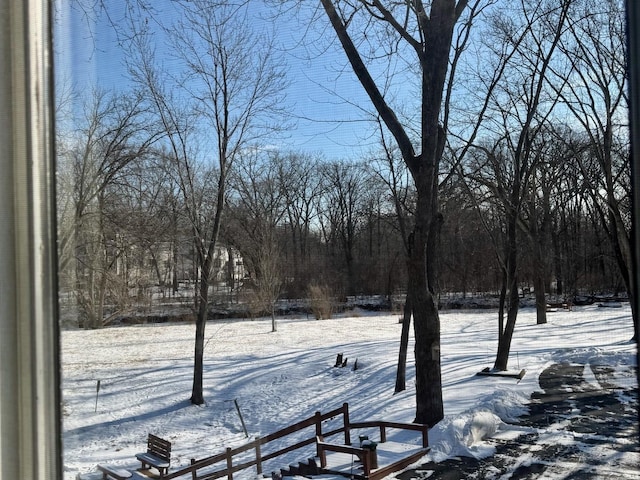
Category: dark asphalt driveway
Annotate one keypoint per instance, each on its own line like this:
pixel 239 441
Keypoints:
pixel 576 429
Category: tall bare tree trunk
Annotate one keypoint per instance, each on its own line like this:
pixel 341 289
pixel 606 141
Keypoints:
pixel 205 260
pixel 509 298
pixel 401 372
pixel 432 47
pixel 540 295
pixel 197 395
pixel 424 304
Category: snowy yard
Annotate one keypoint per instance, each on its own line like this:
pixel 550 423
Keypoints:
pixel 278 378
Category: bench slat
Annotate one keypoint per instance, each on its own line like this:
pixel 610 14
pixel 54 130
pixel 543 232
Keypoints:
pixel 152 460
pixel 159 447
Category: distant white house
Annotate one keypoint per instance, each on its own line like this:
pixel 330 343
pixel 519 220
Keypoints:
pixel 164 263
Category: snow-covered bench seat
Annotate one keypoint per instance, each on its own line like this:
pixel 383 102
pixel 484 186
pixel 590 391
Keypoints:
pixel 158 455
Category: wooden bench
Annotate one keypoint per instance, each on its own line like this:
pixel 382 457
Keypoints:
pixel 158 455
pixel 114 473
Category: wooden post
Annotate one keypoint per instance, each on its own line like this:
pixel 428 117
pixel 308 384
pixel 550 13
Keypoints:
pixel 244 427
pixel 320 453
pixel 97 392
pixel 366 462
pixel 347 425
pixel 229 464
pixel 318 420
pixel 425 436
pixel 373 460
pixel 383 434
pixel 258 457
pixel 194 475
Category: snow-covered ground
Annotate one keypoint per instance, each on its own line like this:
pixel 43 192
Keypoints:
pixel 278 378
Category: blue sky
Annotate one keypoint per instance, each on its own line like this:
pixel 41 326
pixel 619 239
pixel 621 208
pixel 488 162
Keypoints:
pixel 87 55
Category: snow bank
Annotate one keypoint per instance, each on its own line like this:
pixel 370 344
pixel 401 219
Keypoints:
pixel 463 435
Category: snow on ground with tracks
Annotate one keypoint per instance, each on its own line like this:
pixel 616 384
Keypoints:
pixel 278 378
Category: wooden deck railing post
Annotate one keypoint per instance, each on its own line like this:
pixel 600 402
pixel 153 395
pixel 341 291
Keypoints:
pixel 366 463
pixel 318 420
pixel 194 473
pixel 425 436
pixel 347 424
pixel 383 434
pixel 258 457
pixel 320 453
pixel 229 464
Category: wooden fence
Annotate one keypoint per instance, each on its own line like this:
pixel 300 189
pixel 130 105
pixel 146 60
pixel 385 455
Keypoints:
pixel 235 459
pixel 255 453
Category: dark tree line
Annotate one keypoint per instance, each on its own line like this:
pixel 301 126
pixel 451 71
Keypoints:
pixel 304 221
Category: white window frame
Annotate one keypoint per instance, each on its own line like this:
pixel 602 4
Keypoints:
pixel 30 433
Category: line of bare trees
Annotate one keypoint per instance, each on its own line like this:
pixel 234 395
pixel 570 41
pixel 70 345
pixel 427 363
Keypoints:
pixel 514 172
pixel 295 220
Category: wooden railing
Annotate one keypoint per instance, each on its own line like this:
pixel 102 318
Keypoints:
pixel 383 426
pixel 234 460
pixel 237 459
pixel 368 458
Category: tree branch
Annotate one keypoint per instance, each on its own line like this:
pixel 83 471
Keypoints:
pixel 386 113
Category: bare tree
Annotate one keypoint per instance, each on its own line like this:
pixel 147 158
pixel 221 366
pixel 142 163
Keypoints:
pixel 393 172
pixel 301 185
pixel 380 248
pixel 232 82
pixel 569 200
pixel 426 34
pixel 142 208
pixel 111 134
pixel 344 193
pixel 595 46
pixel 257 203
pixel 536 213
pixel 520 105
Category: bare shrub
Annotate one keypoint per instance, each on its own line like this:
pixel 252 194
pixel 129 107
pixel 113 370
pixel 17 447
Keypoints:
pixel 320 301
pixel 258 307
